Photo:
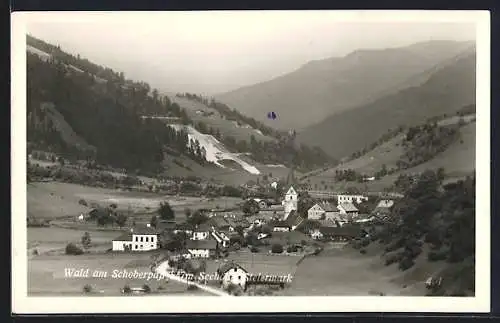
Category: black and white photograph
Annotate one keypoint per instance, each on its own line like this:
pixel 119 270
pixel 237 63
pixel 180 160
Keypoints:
pixel 326 155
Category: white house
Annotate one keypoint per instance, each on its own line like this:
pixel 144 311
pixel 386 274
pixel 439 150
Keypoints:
pixel 142 239
pixel 351 199
pixel 201 248
pixel 290 202
pixel 202 232
pixel 318 210
pixel 81 217
pixel 233 274
pixel 281 226
pixel 316 234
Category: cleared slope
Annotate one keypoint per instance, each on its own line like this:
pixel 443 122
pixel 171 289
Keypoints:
pixel 321 88
pixel 446 91
pixel 215 151
pixel 212 118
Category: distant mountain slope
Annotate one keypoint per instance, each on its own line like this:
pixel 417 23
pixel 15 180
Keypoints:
pixel 458 161
pixel 447 90
pixel 324 87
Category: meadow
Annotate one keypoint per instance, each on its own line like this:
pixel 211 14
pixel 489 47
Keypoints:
pixel 46 275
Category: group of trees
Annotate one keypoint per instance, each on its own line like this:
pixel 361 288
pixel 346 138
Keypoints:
pixel 441 215
pixel 424 142
pixel 108 216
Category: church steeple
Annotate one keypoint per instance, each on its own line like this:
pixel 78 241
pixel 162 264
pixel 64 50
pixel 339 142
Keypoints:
pixel 290 179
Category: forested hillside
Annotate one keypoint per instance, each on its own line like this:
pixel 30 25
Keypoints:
pixel 85 111
pixel 103 108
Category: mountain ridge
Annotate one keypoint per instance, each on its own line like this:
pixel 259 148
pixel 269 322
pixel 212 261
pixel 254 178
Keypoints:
pixel 337 83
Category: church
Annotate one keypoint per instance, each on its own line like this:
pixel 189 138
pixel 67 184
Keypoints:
pixel 290 202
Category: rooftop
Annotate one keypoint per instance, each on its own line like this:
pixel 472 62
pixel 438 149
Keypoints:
pixel 126 236
pixel 348 207
pixel 201 244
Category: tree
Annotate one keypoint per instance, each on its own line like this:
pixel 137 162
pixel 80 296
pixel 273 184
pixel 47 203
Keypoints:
pixel 197 218
pixel 86 240
pixel 187 212
pixel 165 211
pixel 121 219
pixel 250 207
pixel 276 248
pixel 154 221
pixel 72 249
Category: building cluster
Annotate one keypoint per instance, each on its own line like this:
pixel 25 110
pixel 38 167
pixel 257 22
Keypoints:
pixel 335 220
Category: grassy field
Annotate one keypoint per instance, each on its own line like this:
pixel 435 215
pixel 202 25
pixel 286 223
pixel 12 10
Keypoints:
pixel 46 275
pixel 458 160
pixel 55 199
pixel 345 272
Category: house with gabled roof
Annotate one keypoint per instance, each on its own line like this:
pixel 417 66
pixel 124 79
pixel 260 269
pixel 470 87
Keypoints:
pixel 280 226
pixel 322 210
pixel 232 273
pixel 201 232
pixel 137 239
pixel 201 248
pixel 348 209
pixel 222 239
pixel 345 233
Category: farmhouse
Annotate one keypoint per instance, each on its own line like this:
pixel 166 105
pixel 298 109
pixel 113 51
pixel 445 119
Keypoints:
pixel 383 208
pixel 201 232
pixel 322 210
pixel 280 226
pixel 142 239
pixel 221 238
pixel 351 199
pixel 348 209
pixel 201 248
pixel 184 227
pixel 233 274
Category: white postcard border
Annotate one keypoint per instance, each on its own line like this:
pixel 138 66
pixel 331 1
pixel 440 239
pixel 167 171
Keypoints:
pixel 22 304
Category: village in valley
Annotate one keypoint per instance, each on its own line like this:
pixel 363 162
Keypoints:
pixel 134 190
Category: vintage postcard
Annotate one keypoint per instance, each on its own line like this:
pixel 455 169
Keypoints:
pixel 289 161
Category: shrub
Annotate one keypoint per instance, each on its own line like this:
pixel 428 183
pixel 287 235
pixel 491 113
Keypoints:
pixel 192 287
pixel 35 252
pixel 127 289
pixel 437 255
pixel 254 249
pixel 87 288
pixel 83 202
pixel 72 249
pixel 406 263
pixel 276 248
pixel 234 289
pixel 393 257
pixel 146 288
pixel 362 251
pixel 291 249
pixel 413 251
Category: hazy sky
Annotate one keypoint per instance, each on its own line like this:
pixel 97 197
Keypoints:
pixel 211 52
